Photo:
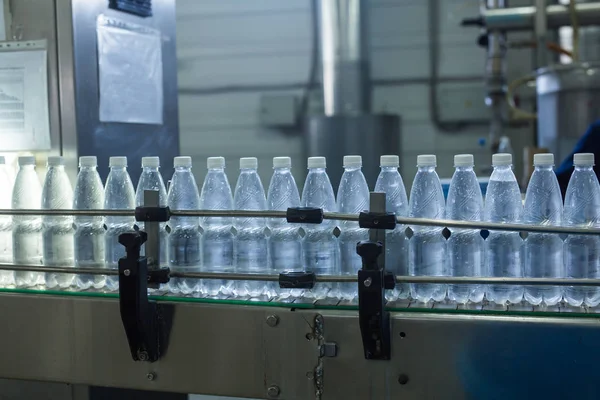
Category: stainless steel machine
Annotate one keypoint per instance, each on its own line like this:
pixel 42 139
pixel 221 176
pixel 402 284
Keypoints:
pixel 348 127
pixel 73 80
pixel 568 96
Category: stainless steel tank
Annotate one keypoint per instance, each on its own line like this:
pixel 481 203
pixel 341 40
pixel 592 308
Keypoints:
pixel 348 127
pixel 568 98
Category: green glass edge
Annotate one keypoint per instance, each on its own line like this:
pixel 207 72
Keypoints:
pixel 306 306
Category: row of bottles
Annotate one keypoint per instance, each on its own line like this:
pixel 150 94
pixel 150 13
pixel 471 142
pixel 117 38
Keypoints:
pixel 506 254
pixel 244 245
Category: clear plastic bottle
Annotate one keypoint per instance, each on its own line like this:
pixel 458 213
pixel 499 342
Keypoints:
pixel 7 278
pixel 582 252
pixel 427 246
pixel 151 179
pixel 184 239
pixel 503 249
pixel 285 242
pixel 57 231
pixel 27 230
pixel 218 238
pixel 390 182
pixel 321 249
pixel 89 230
pixel 543 256
pixel 465 246
pixel 353 198
pixel 119 194
pixel 251 250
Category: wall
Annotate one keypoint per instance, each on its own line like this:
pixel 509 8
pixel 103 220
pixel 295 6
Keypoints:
pixel 231 51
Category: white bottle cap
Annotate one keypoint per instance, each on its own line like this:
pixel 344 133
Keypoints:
pixel 543 159
pixel 282 162
pixel 215 162
pixel 152 162
pixel 352 161
pixel 583 159
pixel 27 160
pixel 501 159
pixel 183 161
pixel 118 162
pixel 317 162
pixel 248 163
pixel 2 160
pixel 426 160
pixel 55 160
pixel 88 161
pixel 389 161
pixel 464 160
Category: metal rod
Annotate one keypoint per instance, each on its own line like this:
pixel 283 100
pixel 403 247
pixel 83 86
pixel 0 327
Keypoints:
pixel 523 18
pixel 87 213
pixel 493 226
pixel 323 278
pixel 58 270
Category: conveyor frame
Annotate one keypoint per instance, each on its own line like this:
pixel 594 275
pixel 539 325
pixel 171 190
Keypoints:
pixel 235 349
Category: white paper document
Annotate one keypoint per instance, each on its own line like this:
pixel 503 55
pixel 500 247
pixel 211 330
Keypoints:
pixel 130 72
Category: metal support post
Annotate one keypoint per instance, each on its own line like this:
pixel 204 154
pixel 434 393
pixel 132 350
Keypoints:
pixel 373 280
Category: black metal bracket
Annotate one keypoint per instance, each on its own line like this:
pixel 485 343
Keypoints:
pixel 374 321
pixel 375 220
pixel 297 280
pixel 146 323
pixel 304 215
pixel 152 214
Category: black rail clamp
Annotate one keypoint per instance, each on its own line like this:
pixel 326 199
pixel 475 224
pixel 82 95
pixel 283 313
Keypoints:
pixel 374 320
pixel 297 280
pixel 377 220
pixel 146 323
pixel 152 214
pixel 304 215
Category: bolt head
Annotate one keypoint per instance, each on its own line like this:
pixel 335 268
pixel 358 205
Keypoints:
pixel 272 320
pixel 368 282
pixel 273 391
pixel 127 272
pixel 143 355
pixel 150 376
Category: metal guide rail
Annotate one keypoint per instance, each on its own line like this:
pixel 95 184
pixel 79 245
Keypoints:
pixel 156 322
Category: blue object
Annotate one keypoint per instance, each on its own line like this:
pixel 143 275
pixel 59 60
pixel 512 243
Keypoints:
pixel 589 143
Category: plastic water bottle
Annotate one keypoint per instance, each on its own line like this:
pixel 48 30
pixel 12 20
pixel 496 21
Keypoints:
pixel 390 182
pixel 27 230
pixel 427 246
pixel 321 249
pixel 184 239
pixel 7 278
pixel 285 242
pixel 118 195
pixel 503 205
pixel 543 256
pixel 465 246
pixel 151 179
pixel 57 231
pixel 353 198
pixel 251 241
pixel 217 239
pixel 89 231
pixel 582 252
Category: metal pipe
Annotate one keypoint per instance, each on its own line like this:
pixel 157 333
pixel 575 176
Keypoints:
pixel 493 226
pixel 322 278
pixel 344 56
pixel 495 77
pixel 523 18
